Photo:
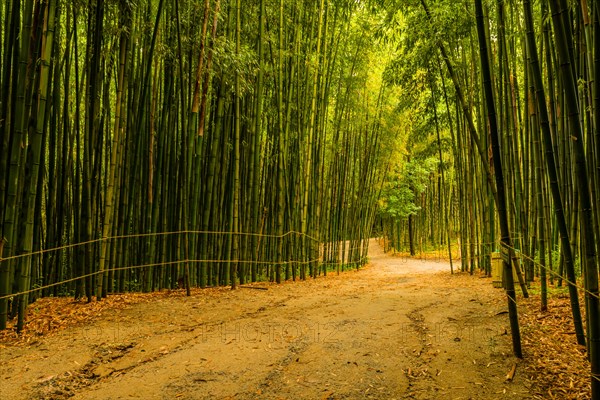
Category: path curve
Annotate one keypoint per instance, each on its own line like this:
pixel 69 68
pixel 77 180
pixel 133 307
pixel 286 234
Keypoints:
pixel 397 329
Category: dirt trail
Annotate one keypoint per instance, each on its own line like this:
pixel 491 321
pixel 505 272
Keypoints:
pixel 398 329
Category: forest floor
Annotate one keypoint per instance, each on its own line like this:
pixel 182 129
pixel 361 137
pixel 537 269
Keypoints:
pixel 396 329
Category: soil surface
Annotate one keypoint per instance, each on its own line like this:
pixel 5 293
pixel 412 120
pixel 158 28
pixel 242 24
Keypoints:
pixel 397 329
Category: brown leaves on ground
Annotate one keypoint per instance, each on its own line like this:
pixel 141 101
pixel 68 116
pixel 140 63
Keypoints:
pixel 554 363
pixel 49 315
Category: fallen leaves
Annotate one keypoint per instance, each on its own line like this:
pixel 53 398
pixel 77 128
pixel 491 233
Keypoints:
pixel 511 374
pixel 49 315
pixel 45 379
pixel 556 365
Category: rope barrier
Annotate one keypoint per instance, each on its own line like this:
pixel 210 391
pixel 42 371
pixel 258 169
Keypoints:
pixel 143 235
pixel 273 236
pixel 161 264
pixel 547 269
pixel 146 235
pixel 519 253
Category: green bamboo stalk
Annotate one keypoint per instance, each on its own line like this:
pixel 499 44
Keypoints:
pixel 589 260
pixel 10 222
pixel 34 158
pixel 500 198
pixel 552 171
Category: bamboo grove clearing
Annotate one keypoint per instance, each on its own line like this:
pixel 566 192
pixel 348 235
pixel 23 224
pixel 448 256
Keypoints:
pixel 156 144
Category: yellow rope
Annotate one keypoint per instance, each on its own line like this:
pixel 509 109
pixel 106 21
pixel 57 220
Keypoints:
pixel 161 264
pixel 143 235
pixel 550 271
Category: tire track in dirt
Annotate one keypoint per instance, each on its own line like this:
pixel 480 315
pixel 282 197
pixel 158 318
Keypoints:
pixel 420 378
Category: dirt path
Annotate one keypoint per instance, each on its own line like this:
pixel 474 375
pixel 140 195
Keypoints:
pixel 398 329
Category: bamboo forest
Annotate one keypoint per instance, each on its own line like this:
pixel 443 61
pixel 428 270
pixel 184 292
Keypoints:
pixel 319 199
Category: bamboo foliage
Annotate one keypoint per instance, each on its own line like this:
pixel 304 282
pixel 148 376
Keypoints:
pixel 221 142
pixel 185 143
pixel 544 92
